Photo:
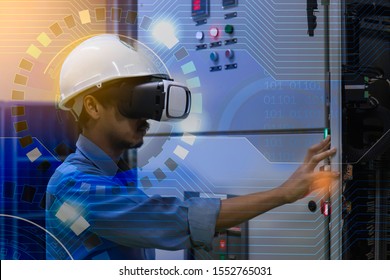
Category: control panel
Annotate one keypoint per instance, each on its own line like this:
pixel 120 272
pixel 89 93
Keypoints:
pixel 219 40
pixel 257 81
pixel 250 65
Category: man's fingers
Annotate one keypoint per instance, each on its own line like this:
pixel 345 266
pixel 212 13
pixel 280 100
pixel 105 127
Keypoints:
pixel 321 156
pixel 317 148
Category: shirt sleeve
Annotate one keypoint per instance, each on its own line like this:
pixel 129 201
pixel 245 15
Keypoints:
pixel 202 216
pixel 127 216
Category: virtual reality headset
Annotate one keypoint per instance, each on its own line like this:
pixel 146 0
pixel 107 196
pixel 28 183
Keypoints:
pixel 154 97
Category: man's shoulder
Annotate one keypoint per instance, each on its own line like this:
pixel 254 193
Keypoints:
pixel 75 168
pixel 77 163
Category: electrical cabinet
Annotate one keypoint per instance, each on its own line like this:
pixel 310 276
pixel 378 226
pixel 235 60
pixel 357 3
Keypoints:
pixel 268 80
pixel 260 93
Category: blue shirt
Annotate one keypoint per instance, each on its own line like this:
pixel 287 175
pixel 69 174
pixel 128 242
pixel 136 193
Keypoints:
pixel 94 210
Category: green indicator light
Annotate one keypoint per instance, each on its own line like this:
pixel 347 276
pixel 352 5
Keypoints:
pixel 326 132
pixel 229 29
pixel 222 257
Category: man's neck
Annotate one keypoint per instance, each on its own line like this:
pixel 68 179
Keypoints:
pixel 103 144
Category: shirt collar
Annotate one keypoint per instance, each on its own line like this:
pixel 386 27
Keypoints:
pixel 96 155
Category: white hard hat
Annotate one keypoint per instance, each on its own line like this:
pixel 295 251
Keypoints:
pixel 100 59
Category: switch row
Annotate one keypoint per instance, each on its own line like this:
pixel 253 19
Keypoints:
pixel 214 56
pixel 214 32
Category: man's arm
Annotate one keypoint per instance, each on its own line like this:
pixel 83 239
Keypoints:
pixel 303 181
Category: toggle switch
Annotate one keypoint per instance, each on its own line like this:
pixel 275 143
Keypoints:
pixel 214 56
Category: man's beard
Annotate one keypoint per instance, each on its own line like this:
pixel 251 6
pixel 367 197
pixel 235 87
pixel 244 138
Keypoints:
pixel 125 145
pixel 141 128
pixel 136 146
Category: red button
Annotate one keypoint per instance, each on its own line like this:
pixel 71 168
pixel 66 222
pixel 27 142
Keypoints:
pixel 214 32
pixel 222 244
pixel 325 208
pixel 229 53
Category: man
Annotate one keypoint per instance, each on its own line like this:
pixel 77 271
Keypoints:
pixel 94 208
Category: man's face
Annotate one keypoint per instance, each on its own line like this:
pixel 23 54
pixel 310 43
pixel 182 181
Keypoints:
pixel 123 133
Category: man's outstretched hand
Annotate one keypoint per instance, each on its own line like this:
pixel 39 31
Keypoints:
pixel 305 180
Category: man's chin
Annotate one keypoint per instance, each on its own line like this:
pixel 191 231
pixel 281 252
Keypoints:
pixel 134 146
pixel 138 145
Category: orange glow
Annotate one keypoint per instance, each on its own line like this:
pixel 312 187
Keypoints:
pixel 35 36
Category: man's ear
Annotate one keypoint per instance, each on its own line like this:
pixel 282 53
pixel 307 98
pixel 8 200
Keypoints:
pixel 92 107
